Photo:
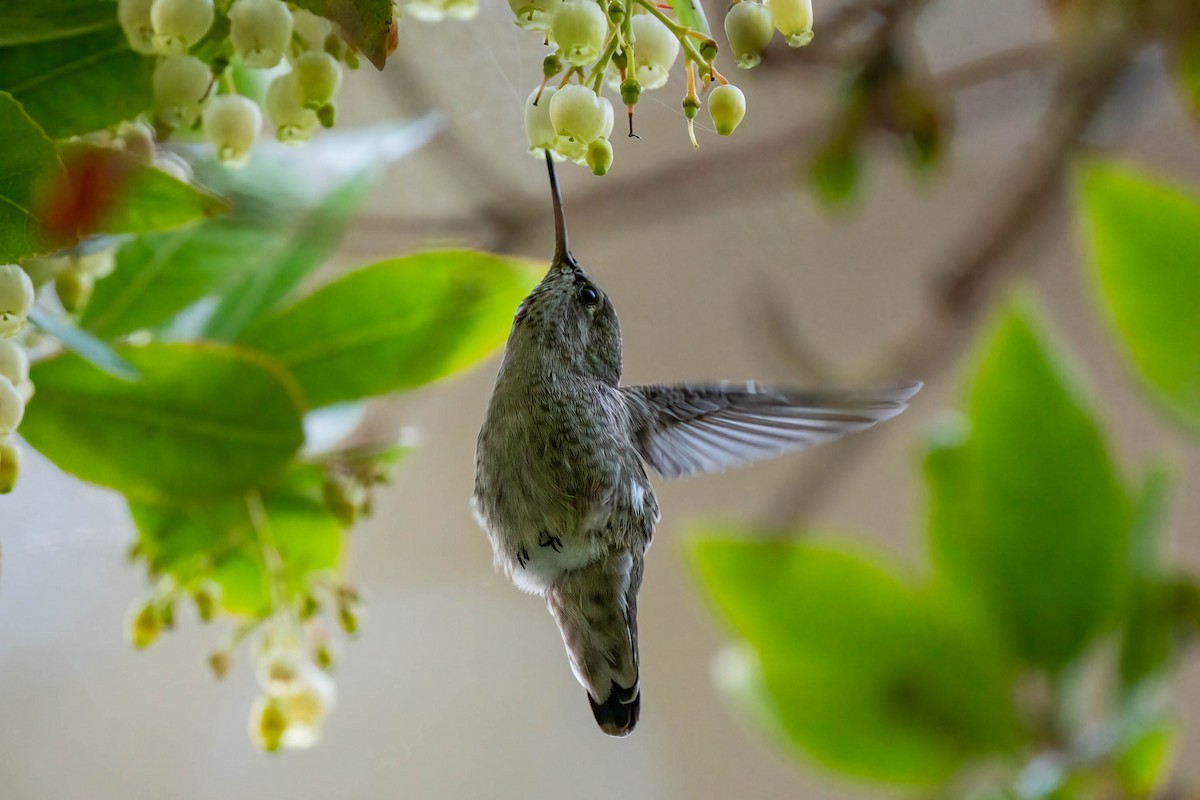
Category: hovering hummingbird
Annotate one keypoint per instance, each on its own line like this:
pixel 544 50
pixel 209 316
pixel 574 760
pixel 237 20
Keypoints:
pixel 560 466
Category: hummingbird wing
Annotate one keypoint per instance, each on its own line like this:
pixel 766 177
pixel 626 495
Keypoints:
pixel 687 429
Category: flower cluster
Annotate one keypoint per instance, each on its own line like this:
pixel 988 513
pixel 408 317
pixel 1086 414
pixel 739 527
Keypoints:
pixel 630 47
pixel 16 299
pixel 193 82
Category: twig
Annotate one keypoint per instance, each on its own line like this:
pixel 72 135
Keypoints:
pixel 976 263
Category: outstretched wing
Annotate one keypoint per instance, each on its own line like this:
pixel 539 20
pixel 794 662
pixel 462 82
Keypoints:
pixel 687 429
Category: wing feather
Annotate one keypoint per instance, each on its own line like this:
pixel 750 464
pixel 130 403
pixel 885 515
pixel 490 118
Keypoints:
pixel 688 429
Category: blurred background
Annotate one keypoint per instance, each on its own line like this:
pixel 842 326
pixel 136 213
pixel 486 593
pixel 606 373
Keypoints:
pixel 458 686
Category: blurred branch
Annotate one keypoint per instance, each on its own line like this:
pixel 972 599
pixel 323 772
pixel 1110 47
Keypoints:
pixel 975 264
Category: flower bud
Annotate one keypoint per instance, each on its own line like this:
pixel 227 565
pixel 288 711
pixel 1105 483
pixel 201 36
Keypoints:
pixel 232 123
pixel 10 466
pixel 709 50
pixel 12 407
pixel 794 19
pixel 534 15
pixel 205 595
pixel 579 114
pixel 727 107
pixel 306 706
pixel 293 122
pixel 267 723
pixel 179 24
pixel 749 28
pixel 579 28
pixel 134 18
pixel 551 65
pixel 16 298
pixel 323 656
pixel 74 288
pixel 14 363
pixel 538 127
pixel 98 264
pixel 462 9
pixel 181 85
pixel 655 49
pixel 312 29
pixel 220 662
pixel 318 77
pixel 143 625
pixel 327 114
pixel 260 31
pixel 599 156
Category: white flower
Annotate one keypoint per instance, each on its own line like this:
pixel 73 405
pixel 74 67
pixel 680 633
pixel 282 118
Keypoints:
pixel 749 28
pixel 579 28
pixel 261 31
pixel 16 298
pixel 179 24
pixel 181 84
pixel 232 123
pixel 794 19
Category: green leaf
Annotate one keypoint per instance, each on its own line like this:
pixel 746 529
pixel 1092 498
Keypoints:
pixel 218 540
pixel 1144 239
pixel 23 22
pixel 83 344
pixel 691 14
pixel 1147 637
pixel 307 241
pixel 131 196
pixel 397 324
pixel 851 664
pixel 1185 56
pixel 364 23
pixel 27 161
pixel 202 421
pixel 78 84
pixel 1027 514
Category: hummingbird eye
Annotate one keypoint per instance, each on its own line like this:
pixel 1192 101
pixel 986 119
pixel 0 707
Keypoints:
pixel 588 295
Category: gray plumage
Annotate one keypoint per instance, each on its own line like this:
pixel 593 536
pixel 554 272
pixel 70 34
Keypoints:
pixel 560 485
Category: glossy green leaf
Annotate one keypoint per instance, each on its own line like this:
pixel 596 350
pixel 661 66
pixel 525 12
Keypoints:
pixel 202 421
pixel 219 540
pixel 397 324
pixel 1144 240
pixel 852 664
pixel 27 161
pixel 1027 514
pixel 81 83
pixel 24 22
pixel 691 14
pixel 365 24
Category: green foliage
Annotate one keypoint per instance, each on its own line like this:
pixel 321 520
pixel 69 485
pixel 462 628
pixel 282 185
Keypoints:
pixel 133 196
pixel 25 22
pixel 84 79
pixel 364 23
pixel 200 421
pixel 855 665
pixel 395 325
pixel 1027 514
pixel 83 344
pixel 1144 240
pixel 1037 553
pixel 27 160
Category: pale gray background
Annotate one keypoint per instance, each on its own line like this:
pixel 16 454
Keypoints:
pixel 459 687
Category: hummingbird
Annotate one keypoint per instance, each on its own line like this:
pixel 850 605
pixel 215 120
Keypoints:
pixel 561 483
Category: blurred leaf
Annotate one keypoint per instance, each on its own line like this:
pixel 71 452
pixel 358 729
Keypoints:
pixel 338 170
pixel 1143 762
pixel 853 665
pixel 187 541
pixel 1144 238
pixel 83 344
pixel 691 14
pixel 365 24
pixel 1186 58
pixel 202 421
pixel 27 157
pixel 23 22
pixel 1027 514
pixel 397 324
pixel 309 242
pixel 106 190
pixel 78 84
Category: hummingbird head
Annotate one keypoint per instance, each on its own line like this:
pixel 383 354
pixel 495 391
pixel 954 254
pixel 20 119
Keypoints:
pixel 568 318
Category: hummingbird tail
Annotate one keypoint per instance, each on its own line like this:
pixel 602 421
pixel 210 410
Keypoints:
pixel 595 607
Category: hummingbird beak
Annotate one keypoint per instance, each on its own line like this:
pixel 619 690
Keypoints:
pixel 562 250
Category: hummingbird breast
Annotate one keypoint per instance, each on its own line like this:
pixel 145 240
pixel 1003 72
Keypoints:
pixel 558 483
